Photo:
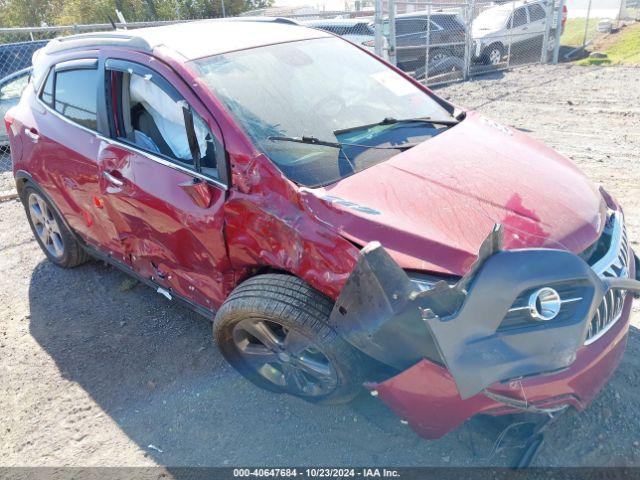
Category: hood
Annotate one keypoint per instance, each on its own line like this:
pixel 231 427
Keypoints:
pixel 433 205
pixel 490 22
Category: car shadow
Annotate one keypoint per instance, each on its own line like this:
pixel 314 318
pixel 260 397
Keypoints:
pixel 151 366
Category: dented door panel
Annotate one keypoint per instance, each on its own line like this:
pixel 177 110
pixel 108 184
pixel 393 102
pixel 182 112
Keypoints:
pixel 168 237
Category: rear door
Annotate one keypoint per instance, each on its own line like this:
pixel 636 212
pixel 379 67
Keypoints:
pixel 60 137
pixel 165 201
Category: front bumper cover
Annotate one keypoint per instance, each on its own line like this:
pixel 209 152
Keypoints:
pixel 381 313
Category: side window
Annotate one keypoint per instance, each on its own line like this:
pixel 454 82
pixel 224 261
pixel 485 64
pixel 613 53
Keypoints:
pixel 434 26
pixel 410 26
pixel 519 17
pixel 536 12
pixel 152 119
pixel 47 90
pixel 75 96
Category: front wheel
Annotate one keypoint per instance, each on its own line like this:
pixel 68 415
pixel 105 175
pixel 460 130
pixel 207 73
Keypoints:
pixel 273 330
pixel 493 55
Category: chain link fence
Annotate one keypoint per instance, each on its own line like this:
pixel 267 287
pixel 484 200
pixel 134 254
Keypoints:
pixel 592 19
pixel 436 41
pixel 17 46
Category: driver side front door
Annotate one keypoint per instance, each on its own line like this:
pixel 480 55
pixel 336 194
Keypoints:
pixel 166 204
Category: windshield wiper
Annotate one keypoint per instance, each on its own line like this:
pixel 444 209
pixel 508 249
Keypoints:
pixel 339 145
pixel 392 121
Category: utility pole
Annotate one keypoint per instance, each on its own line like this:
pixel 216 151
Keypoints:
pixel 222 5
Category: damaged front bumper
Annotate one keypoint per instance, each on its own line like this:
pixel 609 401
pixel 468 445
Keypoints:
pixel 509 336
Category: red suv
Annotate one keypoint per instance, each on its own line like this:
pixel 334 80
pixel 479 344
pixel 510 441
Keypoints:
pixel 339 222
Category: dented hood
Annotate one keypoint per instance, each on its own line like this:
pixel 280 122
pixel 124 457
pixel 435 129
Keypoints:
pixel 432 206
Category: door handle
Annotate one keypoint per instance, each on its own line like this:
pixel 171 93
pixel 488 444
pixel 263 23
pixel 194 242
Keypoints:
pixel 112 180
pixel 32 133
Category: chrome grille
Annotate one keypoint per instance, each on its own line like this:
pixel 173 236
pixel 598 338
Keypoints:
pixel 615 263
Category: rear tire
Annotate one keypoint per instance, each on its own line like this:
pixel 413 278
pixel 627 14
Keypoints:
pixel 57 242
pixel 273 330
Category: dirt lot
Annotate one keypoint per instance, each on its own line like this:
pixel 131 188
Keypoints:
pixel 94 371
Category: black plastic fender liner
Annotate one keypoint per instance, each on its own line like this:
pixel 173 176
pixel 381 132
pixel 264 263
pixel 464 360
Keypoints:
pixel 370 312
pixel 382 314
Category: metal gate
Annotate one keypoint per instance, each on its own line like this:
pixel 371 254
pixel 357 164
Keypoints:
pixel 439 42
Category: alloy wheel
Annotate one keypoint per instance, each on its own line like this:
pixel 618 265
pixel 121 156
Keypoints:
pixel 495 56
pixel 284 357
pixel 46 225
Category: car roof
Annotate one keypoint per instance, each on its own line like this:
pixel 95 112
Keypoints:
pixel 194 39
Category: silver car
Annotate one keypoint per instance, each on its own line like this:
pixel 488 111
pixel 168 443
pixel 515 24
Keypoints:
pixel 11 88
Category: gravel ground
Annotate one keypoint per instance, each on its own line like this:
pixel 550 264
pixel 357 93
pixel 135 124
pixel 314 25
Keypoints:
pixel 97 371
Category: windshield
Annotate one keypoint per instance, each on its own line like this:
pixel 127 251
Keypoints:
pixel 315 88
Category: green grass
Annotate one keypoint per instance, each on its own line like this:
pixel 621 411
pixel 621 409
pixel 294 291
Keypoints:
pixel 574 31
pixel 624 49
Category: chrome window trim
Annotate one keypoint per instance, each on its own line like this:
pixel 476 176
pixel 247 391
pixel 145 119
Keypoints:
pixel 112 141
pixel 62 117
pixel 162 161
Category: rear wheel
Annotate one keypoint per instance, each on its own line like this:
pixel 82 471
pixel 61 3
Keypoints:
pixel 273 330
pixel 55 239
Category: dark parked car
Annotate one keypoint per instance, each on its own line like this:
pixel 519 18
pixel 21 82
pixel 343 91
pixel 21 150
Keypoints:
pixel 357 30
pixel 11 88
pixel 330 215
pixel 443 32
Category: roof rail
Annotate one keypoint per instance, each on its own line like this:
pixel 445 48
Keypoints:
pixel 118 38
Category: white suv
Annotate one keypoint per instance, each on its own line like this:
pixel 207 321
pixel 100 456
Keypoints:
pixel 507 26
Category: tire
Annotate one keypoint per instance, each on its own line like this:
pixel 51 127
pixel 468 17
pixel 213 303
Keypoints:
pixel 274 324
pixel 57 242
pixel 435 56
pixel 493 52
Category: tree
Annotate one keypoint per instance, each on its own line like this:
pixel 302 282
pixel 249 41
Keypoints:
pixel 34 13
